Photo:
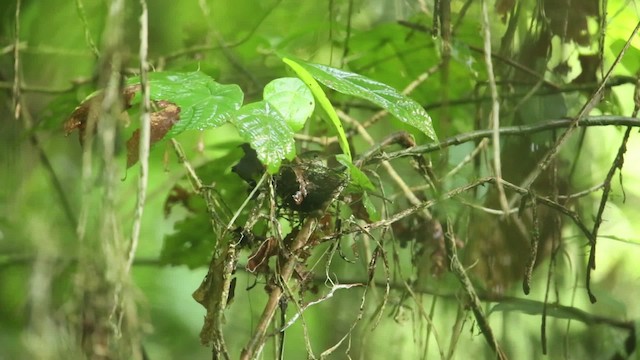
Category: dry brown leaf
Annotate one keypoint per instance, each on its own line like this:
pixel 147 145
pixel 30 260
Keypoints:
pixel 260 257
pixel 162 121
pixel 90 110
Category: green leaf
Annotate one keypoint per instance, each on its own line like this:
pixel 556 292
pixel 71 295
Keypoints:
pixel 373 213
pixel 324 103
pixel 203 102
pixel 357 176
pixel 630 60
pixel 292 98
pixel 402 107
pixel 264 128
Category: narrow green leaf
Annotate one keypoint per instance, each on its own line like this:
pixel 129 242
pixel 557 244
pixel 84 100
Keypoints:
pixel 203 102
pixel 402 107
pixel 324 102
pixel 264 128
pixel 292 98
pixel 357 176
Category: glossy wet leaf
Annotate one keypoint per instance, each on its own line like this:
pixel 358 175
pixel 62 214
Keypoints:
pixel 319 94
pixel 402 107
pixel 90 108
pixel 204 103
pixel 264 128
pixel 292 98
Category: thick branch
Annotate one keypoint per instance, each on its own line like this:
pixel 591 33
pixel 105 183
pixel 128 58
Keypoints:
pixel 274 298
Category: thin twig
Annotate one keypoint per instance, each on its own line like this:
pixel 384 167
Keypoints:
pixel 554 205
pixel 457 191
pixel 494 122
pixel 444 15
pixel 606 120
pixel 481 145
pixel 414 209
pixel 413 199
pixel 474 301
pixel 16 63
pixel 56 182
pixel 427 318
pixel 535 242
pixel 617 164
pixel 145 134
pixel 87 31
pixel 581 193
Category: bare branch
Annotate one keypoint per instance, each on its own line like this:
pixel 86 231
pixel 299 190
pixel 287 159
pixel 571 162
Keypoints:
pixel 606 120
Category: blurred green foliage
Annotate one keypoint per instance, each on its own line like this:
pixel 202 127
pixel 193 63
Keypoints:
pixel 237 43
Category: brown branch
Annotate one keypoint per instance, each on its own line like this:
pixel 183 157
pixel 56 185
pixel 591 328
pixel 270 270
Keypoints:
pixel 535 242
pixel 257 340
pixel 617 164
pixel 459 271
pixel 145 131
pixel 494 115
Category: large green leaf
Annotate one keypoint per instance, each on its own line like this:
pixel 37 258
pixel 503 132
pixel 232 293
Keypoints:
pixel 292 98
pixel 402 107
pixel 262 126
pixel 324 103
pixel 203 102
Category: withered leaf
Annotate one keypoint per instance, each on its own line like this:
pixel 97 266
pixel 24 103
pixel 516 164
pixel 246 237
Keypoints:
pixel 258 260
pixel 162 121
pixel 89 110
pixel 166 114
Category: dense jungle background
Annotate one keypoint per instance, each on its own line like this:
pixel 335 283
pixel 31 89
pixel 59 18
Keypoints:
pixel 462 181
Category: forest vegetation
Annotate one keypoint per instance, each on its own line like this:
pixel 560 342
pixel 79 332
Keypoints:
pixel 427 179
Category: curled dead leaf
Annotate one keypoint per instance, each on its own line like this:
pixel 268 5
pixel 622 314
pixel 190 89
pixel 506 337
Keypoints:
pixel 164 116
pixel 90 110
pixel 260 257
pixel 162 121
